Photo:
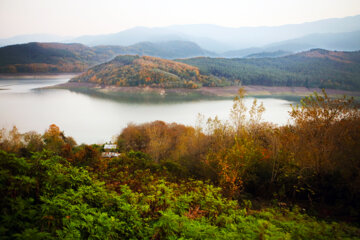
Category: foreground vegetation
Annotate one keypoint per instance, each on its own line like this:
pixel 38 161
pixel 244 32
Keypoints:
pixel 241 179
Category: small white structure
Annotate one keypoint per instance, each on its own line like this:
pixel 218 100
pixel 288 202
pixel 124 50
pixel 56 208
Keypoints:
pixel 109 147
pixel 110 151
pixel 110 154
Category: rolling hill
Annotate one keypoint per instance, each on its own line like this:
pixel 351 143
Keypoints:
pixel 345 41
pixel 59 57
pixel 130 70
pixel 314 68
pixel 46 57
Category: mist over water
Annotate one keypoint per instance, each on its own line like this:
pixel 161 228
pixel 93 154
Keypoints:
pixel 91 119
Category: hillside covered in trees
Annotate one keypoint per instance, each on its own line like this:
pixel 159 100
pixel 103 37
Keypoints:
pixel 241 179
pixel 317 68
pixel 47 58
pixel 147 71
pixel 73 57
pixel 314 68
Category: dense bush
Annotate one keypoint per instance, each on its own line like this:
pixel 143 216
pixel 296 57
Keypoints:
pixel 44 197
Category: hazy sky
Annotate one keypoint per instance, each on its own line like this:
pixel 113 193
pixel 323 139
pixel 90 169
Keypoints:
pixel 79 17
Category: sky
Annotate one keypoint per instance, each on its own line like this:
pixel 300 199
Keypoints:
pixel 91 17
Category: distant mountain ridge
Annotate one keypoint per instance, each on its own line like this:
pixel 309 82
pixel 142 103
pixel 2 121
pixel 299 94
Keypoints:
pixel 344 41
pixel 22 39
pixel 219 39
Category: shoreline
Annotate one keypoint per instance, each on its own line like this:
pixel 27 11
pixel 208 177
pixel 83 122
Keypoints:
pixel 37 75
pixel 211 92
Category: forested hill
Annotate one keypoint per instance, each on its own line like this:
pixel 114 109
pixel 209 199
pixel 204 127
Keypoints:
pixel 168 50
pixel 130 70
pixel 314 68
pixel 47 57
pixel 58 57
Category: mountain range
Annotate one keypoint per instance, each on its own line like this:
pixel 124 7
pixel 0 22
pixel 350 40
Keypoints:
pixel 334 34
pixel 219 39
pixel 344 41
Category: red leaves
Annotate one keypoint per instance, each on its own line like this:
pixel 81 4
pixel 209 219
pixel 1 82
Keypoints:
pixel 195 212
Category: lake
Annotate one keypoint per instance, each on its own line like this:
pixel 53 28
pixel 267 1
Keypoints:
pixel 90 119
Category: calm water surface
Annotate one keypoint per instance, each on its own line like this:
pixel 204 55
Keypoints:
pixel 91 119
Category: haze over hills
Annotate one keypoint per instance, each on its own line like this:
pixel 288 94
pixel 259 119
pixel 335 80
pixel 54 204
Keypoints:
pixel 130 37
pixel 21 39
pixel 326 33
pixel 220 39
pixel 344 41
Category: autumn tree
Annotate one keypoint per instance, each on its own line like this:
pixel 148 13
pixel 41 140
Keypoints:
pixel 86 155
pixel 56 141
pixel 320 123
pixel 326 142
pixel 33 141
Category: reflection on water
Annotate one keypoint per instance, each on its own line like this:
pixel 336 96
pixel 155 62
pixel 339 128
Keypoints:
pixel 95 120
